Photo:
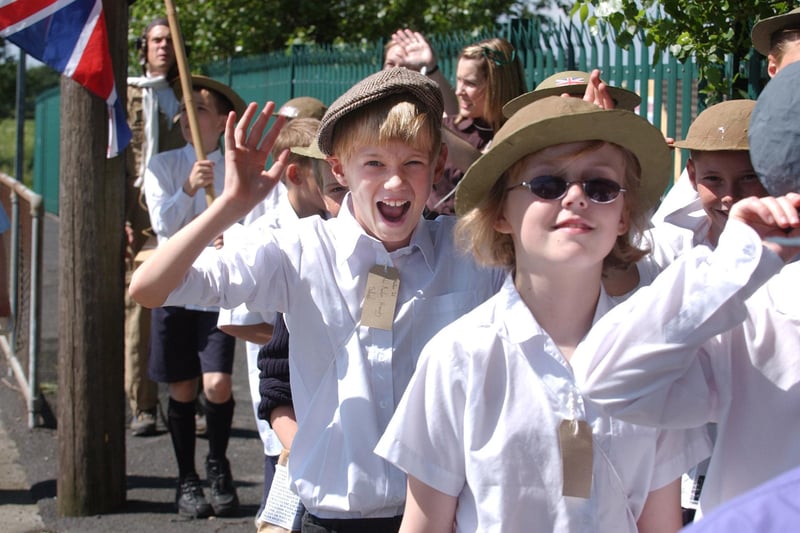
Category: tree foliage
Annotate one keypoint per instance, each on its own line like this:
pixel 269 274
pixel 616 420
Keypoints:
pixel 217 29
pixel 701 29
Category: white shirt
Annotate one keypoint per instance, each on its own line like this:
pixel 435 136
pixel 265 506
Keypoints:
pixel 171 208
pixel 683 373
pixel 346 378
pixel 479 421
pixel 277 212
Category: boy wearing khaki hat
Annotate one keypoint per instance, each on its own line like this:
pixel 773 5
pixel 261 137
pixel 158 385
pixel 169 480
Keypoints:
pixel 361 293
pixel 778 38
pixel 185 345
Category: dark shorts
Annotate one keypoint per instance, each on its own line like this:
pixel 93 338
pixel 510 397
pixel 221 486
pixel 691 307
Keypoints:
pixel 185 344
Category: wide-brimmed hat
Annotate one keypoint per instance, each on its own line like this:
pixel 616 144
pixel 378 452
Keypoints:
pixel 775 133
pixel 572 82
pixel 204 82
pixel 303 107
pixel 723 126
pixel 764 29
pixel 555 120
pixel 382 84
pixel 312 151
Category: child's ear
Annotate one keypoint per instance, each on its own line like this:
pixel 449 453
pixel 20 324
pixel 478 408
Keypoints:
pixel 338 170
pixel 501 224
pixel 772 66
pixel 692 173
pixel 624 224
pixel 440 164
pixel 292 173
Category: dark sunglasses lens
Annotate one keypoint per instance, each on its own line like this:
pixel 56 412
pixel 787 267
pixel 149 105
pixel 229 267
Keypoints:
pixel 548 187
pixel 601 190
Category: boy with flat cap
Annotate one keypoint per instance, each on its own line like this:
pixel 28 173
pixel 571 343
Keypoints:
pixel 361 293
pixel 185 342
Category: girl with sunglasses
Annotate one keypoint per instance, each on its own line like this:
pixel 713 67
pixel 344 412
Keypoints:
pixel 493 430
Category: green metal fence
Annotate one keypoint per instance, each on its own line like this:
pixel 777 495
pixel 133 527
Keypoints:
pixel 668 88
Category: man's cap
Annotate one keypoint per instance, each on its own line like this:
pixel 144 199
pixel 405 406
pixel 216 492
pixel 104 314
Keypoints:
pixel 763 30
pixel 722 126
pixel 572 82
pixel 311 151
pixel 775 133
pixel 555 120
pixel 303 107
pixel 204 82
pixel 382 84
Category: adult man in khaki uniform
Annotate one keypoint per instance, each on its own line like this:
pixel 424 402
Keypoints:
pixel 151 108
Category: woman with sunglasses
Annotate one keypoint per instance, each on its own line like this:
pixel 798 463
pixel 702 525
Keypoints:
pixel 493 430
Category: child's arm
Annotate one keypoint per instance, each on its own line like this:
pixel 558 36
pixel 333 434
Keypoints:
pixel 650 354
pixel 427 510
pixel 246 184
pixel 662 510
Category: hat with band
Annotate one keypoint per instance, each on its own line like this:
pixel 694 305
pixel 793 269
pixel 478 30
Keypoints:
pixel 722 126
pixel 382 84
pixel 775 133
pixel 764 29
pixel 204 82
pixel 572 82
pixel 555 120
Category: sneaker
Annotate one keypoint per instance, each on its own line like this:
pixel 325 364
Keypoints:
pixel 223 494
pixel 144 423
pixel 190 500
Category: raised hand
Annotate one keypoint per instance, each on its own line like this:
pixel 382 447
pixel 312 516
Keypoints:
pixel 246 180
pixel 775 219
pixel 417 51
pixel 597 92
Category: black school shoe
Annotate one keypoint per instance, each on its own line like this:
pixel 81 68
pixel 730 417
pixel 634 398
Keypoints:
pixel 190 500
pixel 224 500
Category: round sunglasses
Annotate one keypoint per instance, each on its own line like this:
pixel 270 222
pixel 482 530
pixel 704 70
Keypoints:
pixel 598 190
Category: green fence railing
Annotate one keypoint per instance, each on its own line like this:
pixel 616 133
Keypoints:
pixel 668 88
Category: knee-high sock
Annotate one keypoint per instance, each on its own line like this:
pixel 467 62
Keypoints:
pixel 219 418
pixel 182 430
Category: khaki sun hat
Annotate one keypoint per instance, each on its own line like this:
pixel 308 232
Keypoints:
pixel 311 151
pixel 722 126
pixel 572 82
pixel 303 107
pixel 555 120
pixel 764 29
pixel 204 82
pixel 382 84
pixel 775 133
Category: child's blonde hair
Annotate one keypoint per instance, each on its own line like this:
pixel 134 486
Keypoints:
pixel 505 80
pixel 476 233
pixel 394 118
pixel 296 132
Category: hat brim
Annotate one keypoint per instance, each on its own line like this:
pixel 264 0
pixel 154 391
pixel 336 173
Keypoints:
pixel 556 120
pixel 204 82
pixel 623 98
pixel 311 151
pixel 763 30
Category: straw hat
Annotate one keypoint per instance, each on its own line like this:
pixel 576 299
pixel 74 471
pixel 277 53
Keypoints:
pixel 572 82
pixel 775 133
pixel 204 82
pixel 720 127
pixel 555 120
pixel 303 107
pixel 376 87
pixel 764 29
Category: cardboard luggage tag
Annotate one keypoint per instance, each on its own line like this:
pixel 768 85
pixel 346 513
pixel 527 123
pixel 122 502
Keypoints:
pixel 380 298
pixel 575 438
pixel 283 512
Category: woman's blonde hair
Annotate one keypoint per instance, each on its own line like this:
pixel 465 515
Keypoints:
pixel 394 118
pixel 476 233
pixel 498 62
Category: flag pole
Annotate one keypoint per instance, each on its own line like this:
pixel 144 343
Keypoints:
pixel 186 88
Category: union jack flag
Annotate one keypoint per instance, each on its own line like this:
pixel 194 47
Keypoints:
pixel 560 82
pixel 71 37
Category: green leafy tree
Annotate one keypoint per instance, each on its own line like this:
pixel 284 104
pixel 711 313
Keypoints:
pixel 218 29
pixel 704 30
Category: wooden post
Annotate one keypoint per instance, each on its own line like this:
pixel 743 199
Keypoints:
pixel 91 400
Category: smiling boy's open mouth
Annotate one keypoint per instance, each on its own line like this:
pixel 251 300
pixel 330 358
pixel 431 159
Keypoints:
pixel 393 211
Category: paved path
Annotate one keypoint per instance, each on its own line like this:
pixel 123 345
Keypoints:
pixel 28 458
